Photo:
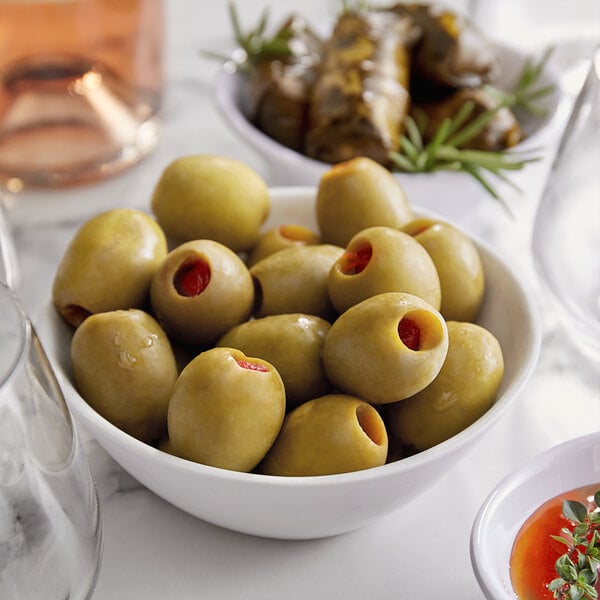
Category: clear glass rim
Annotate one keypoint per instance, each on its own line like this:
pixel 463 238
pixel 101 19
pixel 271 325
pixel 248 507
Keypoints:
pixel 24 332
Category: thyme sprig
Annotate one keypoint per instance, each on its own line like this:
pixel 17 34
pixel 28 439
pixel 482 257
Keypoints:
pixel 577 568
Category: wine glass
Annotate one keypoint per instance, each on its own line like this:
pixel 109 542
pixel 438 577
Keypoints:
pixel 50 526
pixel 566 235
pixel 9 271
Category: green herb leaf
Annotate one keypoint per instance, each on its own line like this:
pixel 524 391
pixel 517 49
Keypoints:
pixel 562 540
pixel 413 132
pixel 445 150
pixel 575 593
pixel 255 44
pixel 574 511
pixel 526 93
pixel 565 567
pixel 556 584
pixel 577 568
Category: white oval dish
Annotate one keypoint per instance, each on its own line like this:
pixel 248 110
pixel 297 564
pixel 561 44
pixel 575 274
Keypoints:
pixel 313 507
pixel 559 469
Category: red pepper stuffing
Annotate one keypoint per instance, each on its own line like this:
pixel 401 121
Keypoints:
pixel 409 333
pixel 356 261
pixel 192 278
pixel 252 366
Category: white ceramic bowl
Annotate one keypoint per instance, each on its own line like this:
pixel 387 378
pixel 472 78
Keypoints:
pixel 313 507
pixel 447 192
pixel 560 469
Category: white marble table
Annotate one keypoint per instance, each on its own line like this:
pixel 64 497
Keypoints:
pixel 153 550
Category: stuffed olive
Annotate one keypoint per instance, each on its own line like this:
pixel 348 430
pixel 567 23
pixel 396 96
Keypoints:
pixel 226 409
pixel 108 264
pixel 378 260
pixel 201 290
pixel 294 280
pixel 357 194
pixel 386 348
pixel 212 197
pixel 292 343
pixel 281 237
pixel 327 435
pixel 458 265
pixel 124 368
pixel 465 388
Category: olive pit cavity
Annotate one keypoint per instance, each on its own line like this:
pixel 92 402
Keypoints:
pixel 370 423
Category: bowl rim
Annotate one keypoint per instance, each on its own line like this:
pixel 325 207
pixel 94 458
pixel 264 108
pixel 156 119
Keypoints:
pixel 225 87
pixel 53 322
pixel 491 587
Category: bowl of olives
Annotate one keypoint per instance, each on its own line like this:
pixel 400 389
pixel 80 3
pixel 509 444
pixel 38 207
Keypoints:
pixel 378 85
pixel 295 373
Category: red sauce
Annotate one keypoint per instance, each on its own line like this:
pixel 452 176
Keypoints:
pixel 192 278
pixel 535 552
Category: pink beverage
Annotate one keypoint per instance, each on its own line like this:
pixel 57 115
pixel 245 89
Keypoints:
pixel 80 88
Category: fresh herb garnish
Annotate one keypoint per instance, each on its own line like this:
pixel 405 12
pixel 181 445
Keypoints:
pixel 577 568
pixel 446 149
pixel 255 46
pixel 527 92
pixel 444 152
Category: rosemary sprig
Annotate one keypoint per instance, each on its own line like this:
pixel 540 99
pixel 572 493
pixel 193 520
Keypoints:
pixel 255 46
pixel 577 569
pixel 443 152
pixel 527 92
pixel 446 149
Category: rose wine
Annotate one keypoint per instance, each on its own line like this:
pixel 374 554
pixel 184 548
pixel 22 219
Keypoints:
pixel 80 88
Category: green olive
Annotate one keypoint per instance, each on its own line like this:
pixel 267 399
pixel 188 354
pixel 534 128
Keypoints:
pixel 226 410
pixel 201 290
pixel 125 370
pixel 328 435
pixel 465 388
pixel 292 343
pixel 280 237
pixel 207 196
pixel 357 194
pixel 108 264
pixel 458 264
pixel 386 348
pixel 382 259
pixel 164 445
pixel 294 280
